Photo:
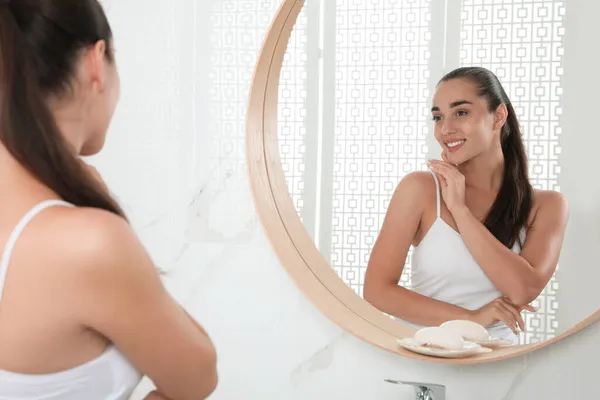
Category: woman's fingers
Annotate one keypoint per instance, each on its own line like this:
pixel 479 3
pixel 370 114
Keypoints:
pixel 528 307
pixel 505 316
pixel 440 170
pixel 442 179
pixel 515 314
pixel 443 167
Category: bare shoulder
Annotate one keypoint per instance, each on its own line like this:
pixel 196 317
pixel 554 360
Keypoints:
pixel 414 190
pixel 89 223
pixel 421 178
pixel 411 195
pixel 86 241
pixel 84 257
pixel 551 205
pixel 418 182
pixel 551 201
pixel 88 231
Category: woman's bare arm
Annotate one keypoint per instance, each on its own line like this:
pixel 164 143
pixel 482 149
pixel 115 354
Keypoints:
pixel 520 277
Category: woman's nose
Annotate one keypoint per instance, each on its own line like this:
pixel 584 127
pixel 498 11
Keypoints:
pixel 447 127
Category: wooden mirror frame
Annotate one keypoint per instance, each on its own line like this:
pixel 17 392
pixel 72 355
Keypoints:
pixel 290 240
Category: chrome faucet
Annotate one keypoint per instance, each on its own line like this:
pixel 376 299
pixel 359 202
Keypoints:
pixel 424 391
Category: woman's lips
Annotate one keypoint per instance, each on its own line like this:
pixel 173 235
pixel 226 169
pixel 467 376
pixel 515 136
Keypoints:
pixel 455 145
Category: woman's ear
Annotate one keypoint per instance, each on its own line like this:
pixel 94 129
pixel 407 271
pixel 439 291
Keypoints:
pixel 500 116
pixel 94 66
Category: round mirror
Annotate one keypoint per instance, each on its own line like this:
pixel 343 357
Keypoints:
pixel 501 228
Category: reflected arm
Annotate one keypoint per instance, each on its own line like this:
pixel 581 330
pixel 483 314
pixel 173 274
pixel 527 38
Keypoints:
pixel 522 277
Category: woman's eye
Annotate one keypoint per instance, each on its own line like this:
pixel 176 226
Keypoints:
pixel 460 113
pixel 436 118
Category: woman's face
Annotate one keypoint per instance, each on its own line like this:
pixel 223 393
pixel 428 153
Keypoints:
pixel 463 126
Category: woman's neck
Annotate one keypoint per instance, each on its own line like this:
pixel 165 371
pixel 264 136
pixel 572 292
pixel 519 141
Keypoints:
pixel 69 122
pixel 484 172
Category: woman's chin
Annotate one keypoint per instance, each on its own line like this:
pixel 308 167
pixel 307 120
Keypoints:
pixel 455 159
pixel 92 148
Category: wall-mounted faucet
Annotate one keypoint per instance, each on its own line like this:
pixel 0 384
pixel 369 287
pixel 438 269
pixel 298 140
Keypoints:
pixel 424 391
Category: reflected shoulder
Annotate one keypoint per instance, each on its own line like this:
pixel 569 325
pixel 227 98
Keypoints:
pixel 414 190
pixel 419 177
pixel 551 203
pixel 550 199
pixel 421 181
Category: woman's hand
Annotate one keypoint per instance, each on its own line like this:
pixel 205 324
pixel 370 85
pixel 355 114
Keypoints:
pixel 452 182
pixel 501 310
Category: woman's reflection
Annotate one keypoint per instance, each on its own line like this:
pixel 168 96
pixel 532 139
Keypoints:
pixel 485 242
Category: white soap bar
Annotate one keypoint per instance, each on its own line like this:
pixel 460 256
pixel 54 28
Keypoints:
pixel 468 330
pixel 439 337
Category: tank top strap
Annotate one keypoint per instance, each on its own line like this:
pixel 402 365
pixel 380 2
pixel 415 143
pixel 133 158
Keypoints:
pixel 12 239
pixel 437 194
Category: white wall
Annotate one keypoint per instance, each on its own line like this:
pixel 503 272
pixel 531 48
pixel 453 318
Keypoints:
pixel 579 275
pixel 180 172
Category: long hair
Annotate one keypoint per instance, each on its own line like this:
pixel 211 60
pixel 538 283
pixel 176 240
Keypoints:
pixel 510 211
pixel 40 41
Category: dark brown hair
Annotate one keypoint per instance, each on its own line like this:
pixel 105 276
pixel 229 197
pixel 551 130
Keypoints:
pixel 510 212
pixel 40 43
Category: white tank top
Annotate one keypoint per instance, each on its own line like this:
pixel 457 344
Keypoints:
pixel 444 269
pixel 108 377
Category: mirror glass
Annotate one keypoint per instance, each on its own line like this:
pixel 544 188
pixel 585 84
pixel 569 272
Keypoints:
pixel 357 87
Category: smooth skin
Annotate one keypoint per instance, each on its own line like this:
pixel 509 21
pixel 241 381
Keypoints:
pixel 470 179
pixel 79 279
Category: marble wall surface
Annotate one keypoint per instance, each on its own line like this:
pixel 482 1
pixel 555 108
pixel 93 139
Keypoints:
pixel 175 158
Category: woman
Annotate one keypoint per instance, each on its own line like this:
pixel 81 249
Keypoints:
pixel 83 313
pixel 490 244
